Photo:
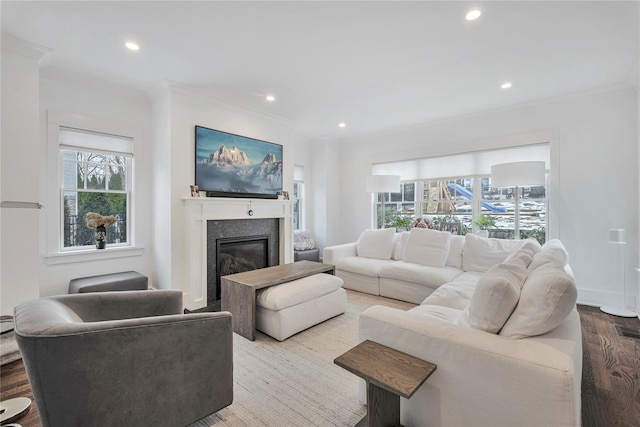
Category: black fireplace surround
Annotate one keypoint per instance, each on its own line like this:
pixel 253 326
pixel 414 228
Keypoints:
pixel 239 244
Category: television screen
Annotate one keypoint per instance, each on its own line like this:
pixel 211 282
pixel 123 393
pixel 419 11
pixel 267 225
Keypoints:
pixel 229 165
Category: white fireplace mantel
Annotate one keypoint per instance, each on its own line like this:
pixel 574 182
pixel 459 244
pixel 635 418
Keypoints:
pixel 199 210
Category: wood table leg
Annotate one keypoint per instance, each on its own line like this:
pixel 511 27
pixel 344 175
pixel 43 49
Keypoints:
pixel 383 407
pixel 240 301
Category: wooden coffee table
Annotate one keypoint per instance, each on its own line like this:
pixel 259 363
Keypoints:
pixel 389 374
pixel 239 290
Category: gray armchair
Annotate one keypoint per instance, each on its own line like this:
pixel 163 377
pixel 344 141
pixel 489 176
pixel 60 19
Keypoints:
pixel 124 358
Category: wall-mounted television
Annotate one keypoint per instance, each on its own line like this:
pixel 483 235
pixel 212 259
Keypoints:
pixel 229 165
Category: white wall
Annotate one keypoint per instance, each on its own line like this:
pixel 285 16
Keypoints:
pixel 185 110
pixel 596 174
pixel 20 181
pixel 97 102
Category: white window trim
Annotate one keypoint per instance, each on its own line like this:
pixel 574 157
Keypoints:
pixel 301 209
pixel 52 220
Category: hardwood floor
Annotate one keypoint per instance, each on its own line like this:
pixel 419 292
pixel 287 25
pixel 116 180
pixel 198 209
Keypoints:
pixel 611 369
pixel 610 374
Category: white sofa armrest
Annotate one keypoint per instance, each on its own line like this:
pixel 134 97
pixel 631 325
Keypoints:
pixel 331 254
pixel 482 378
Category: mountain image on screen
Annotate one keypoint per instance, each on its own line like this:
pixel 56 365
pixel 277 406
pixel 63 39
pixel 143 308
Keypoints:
pixel 232 170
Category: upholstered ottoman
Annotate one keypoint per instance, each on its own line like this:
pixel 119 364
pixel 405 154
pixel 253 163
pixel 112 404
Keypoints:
pixel 124 281
pixel 286 309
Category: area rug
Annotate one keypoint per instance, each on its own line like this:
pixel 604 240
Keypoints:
pixel 295 382
pixel 8 348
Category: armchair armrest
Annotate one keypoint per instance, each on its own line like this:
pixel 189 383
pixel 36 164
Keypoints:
pixel 331 254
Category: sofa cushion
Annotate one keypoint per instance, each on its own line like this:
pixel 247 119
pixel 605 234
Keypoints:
pixel 481 253
pixel 297 291
pixel 361 265
pixel 416 273
pixel 453 294
pixel 469 276
pixel 454 258
pixel 548 296
pixel 399 243
pixel 427 247
pixel 447 314
pixel 495 296
pixel 552 250
pixel 376 244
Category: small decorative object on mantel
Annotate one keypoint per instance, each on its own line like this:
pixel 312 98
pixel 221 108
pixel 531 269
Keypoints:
pixel 195 192
pixel 100 223
pixel 285 195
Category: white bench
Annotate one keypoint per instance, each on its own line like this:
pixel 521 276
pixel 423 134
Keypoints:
pixel 286 309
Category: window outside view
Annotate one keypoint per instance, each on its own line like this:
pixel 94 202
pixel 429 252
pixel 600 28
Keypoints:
pixel 93 182
pixel 448 204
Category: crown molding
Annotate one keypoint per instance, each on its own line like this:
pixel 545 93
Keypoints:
pixel 588 93
pixel 85 80
pixel 189 91
pixel 23 47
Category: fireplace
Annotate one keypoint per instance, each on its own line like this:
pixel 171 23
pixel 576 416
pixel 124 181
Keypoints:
pixel 211 218
pixel 238 245
pixel 235 255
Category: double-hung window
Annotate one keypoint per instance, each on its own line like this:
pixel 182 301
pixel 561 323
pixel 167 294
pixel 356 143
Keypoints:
pixel 96 170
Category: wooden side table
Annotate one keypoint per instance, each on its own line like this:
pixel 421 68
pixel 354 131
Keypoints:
pixel 389 374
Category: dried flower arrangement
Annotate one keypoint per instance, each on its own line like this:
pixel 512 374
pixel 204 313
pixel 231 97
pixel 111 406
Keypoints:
pixel 95 220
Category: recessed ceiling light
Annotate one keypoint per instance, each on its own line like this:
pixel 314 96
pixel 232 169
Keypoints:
pixel 132 46
pixel 270 98
pixel 506 85
pixel 473 14
pixel 342 125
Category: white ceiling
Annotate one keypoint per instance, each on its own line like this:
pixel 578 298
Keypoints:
pixel 374 65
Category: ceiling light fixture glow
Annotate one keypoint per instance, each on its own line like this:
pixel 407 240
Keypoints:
pixel 270 98
pixel 473 14
pixel 506 85
pixel 132 46
pixel 342 125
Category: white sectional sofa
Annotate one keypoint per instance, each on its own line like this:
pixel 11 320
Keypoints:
pixel 497 317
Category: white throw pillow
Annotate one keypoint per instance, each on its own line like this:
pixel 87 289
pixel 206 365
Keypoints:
pixel 302 240
pixel 376 244
pixel 495 296
pixel 481 253
pixel 553 250
pixel 427 247
pixel 548 296
pixel 454 259
pixel 399 243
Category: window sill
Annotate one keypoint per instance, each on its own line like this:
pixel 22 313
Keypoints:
pixel 92 255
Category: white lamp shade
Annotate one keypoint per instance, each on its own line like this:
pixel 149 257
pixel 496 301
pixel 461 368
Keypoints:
pixel 383 184
pixel 517 174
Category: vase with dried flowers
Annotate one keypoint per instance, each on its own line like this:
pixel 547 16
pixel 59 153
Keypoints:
pixel 100 223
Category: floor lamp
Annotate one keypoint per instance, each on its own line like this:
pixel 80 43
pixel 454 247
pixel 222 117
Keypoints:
pixel 383 184
pixel 616 237
pixel 517 174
